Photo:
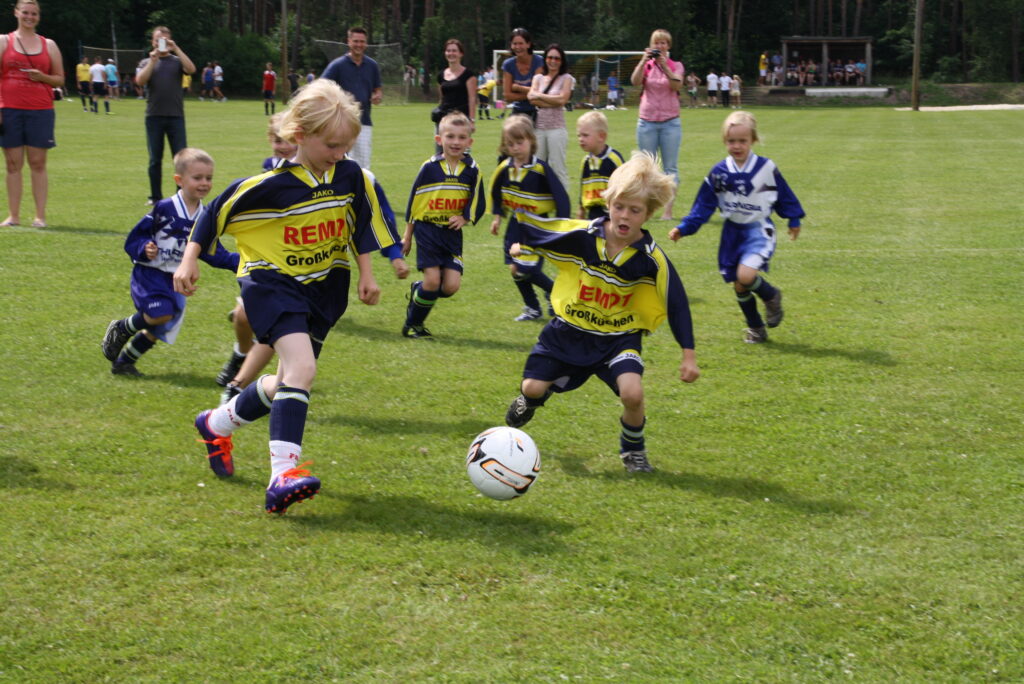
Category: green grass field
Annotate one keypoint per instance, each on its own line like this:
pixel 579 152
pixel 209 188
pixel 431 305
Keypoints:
pixel 844 502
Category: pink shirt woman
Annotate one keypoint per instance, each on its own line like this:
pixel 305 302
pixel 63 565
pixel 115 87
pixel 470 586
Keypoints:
pixel 658 130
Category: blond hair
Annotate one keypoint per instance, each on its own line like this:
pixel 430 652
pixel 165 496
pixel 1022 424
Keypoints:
pixel 518 127
pixel 641 179
pixel 452 120
pixel 661 34
pixel 595 120
pixel 190 155
pixel 274 126
pixel 740 118
pixel 320 108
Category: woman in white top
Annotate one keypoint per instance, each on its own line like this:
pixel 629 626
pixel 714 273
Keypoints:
pixel 550 89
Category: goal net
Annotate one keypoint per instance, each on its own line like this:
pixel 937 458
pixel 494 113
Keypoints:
pixel 592 71
pixel 125 60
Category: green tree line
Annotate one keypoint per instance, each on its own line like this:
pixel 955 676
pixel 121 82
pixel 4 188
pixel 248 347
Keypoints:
pixel 964 40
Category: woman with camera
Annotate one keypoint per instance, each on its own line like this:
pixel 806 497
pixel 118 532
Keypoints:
pixel 658 129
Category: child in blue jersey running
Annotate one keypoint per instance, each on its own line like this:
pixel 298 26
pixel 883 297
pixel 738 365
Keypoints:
pixel 155 246
pixel 297 228
pixel 446 196
pixel 614 285
pixel 746 188
pixel 524 182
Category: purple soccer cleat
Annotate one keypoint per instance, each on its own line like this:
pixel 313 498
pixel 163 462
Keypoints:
pixel 218 449
pixel 291 486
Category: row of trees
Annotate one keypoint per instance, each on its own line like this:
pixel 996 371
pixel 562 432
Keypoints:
pixel 964 40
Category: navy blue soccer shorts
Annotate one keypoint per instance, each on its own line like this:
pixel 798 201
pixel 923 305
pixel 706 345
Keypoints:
pixel 153 294
pixel 749 245
pixel 437 246
pixel 567 357
pixel 278 305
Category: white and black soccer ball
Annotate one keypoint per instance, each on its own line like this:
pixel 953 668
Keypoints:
pixel 503 462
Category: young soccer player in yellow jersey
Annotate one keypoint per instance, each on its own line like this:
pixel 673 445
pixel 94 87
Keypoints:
pixel 614 285
pixel 446 196
pixel 297 229
pixel 597 166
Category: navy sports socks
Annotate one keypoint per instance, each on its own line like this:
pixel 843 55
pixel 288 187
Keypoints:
pixel 763 289
pixel 288 414
pixel 252 403
pixel 422 302
pixel 541 280
pixel 632 437
pixel 748 304
pixel 133 351
pixel 526 290
pixel 133 323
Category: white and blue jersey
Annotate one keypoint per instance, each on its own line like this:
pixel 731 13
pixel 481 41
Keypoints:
pixel 746 196
pixel 152 286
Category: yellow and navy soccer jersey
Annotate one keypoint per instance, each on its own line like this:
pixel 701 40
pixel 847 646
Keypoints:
pixel 533 188
pixel 633 291
pixel 440 192
pixel 594 173
pixel 291 222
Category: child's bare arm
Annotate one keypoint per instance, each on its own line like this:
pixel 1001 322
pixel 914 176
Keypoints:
pixel 407 240
pixel 151 250
pixel 188 270
pixel 688 370
pixel 495 225
pixel 794 233
pixel 369 291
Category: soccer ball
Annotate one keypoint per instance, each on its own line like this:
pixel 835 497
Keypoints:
pixel 503 462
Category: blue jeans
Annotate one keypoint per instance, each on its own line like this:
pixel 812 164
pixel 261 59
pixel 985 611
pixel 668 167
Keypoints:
pixel 663 138
pixel 156 128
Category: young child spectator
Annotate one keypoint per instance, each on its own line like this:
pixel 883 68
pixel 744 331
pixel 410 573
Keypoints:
pixel 447 195
pixel 597 166
pixel 746 188
pixel 155 245
pixel 736 97
pixel 614 285
pixel 692 87
pixel 294 275
pixel 269 85
pixel 522 181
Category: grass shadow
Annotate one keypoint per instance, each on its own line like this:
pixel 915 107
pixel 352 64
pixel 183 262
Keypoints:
pixel 392 335
pixel 20 474
pixel 406 425
pixel 77 230
pixel 181 379
pixel 874 357
pixel 744 488
pixel 411 516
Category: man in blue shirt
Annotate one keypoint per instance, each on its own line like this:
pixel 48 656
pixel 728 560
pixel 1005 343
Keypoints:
pixel 359 75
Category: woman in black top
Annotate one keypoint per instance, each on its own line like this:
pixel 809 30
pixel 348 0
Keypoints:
pixel 458 83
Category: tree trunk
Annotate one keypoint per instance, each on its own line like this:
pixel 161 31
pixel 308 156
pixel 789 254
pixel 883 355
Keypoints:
pixel 858 10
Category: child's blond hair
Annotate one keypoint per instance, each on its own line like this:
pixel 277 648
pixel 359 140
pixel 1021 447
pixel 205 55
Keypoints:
pixel 643 180
pixel 595 120
pixel 320 108
pixel 454 119
pixel 190 155
pixel 518 127
pixel 274 126
pixel 740 118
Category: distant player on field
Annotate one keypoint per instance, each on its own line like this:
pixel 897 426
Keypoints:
pixel 746 188
pixel 269 85
pixel 298 228
pixel 597 166
pixel 614 285
pixel 447 195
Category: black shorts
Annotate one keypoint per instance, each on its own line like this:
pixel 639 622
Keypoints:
pixel 437 246
pixel 567 357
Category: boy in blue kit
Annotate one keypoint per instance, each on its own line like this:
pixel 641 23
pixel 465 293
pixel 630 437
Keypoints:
pixel 297 227
pixel 156 244
pixel 447 195
pixel 522 182
pixel 746 188
pixel 614 285
pixel 597 167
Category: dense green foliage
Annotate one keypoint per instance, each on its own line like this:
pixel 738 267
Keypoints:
pixel 844 502
pixel 963 39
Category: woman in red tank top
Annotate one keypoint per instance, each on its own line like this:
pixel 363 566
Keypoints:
pixel 30 68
